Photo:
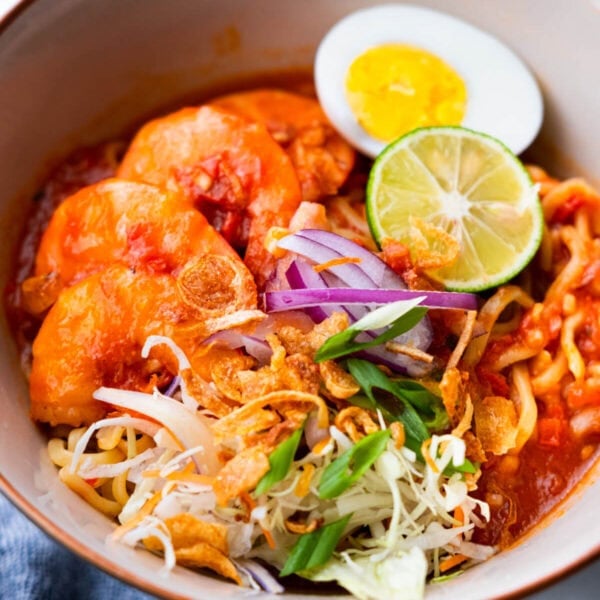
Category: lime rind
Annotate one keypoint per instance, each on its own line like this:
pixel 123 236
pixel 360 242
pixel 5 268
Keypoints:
pixel 482 174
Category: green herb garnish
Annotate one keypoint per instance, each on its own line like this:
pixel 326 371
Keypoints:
pixel 371 378
pixel 350 466
pixel 314 549
pixel 402 316
pixel 280 461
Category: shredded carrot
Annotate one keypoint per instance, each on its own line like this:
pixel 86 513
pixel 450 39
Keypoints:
pixel 151 473
pixel 249 504
pixel 459 517
pixel 269 538
pixel 452 561
pixel 398 434
pixel 334 262
pixel 320 446
pixel 303 485
pixel 141 514
pixel 428 459
pixel 190 477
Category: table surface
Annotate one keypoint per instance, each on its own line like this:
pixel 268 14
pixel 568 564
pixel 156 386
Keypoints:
pixel 584 584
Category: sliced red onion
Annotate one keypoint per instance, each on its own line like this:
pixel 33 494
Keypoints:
pixel 173 386
pixel 300 274
pixel 260 575
pixel 254 346
pixel 323 246
pixel 352 274
pixel 305 298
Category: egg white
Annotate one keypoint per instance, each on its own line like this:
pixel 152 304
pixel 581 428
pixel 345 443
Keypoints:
pixel 503 98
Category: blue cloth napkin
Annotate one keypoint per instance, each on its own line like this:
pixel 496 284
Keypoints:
pixel 33 566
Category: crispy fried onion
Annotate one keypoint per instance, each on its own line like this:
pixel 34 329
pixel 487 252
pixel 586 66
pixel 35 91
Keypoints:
pixel 457 400
pixel 236 381
pixel 453 388
pixel 197 544
pixel 496 424
pixel 338 383
pixel 355 422
pixel 256 416
pixel 200 329
pixel 432 247
pixel 297 341
pixel 205 395
pixel 213 285
pixel 262 424
pixel 240 474
pixel 294 525
pixel 224 374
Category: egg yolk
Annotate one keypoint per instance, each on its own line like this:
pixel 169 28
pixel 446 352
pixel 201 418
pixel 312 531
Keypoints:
pixel 395 88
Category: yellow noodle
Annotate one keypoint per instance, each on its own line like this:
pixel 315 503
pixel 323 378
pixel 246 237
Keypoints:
pixel 131 443
pixel 501 328
pixel 108 437
pixel 582 224
pixel 89 494
pixel 549 378
pixel 525 403
pixel 62 457
pixel 74 437
pixel 564 191
pixel 119 489
pixel 569 347
pixel 141 444
pixel 488 315
pixel 570 276
pixel 514 354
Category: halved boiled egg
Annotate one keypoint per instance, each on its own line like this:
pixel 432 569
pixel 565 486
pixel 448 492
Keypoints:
pixel 383 71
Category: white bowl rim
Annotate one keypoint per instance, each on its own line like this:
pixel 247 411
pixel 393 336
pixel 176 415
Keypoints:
pixel 8 16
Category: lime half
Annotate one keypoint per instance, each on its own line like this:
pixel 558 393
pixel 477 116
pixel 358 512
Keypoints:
pixel 461 201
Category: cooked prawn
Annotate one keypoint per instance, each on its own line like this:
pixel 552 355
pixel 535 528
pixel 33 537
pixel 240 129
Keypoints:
pixel 121 221
pixel 93 334
pixel 231 168
pixel 322 159
pixel 116 220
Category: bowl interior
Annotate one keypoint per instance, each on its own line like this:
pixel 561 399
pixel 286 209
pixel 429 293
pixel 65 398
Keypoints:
pixel 75 72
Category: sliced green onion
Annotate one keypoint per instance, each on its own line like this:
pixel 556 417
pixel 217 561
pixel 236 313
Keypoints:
pixel 402 315
pixel 280 461
pixel 430 407
pixel 466 467
pixel 443 578
pixel 315 548
pixel 371 378
pixel 350 466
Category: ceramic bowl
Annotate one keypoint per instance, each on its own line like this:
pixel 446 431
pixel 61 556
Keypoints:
pixel 74 72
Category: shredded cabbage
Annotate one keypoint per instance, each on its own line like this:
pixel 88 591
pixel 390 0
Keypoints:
pixel 401 511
